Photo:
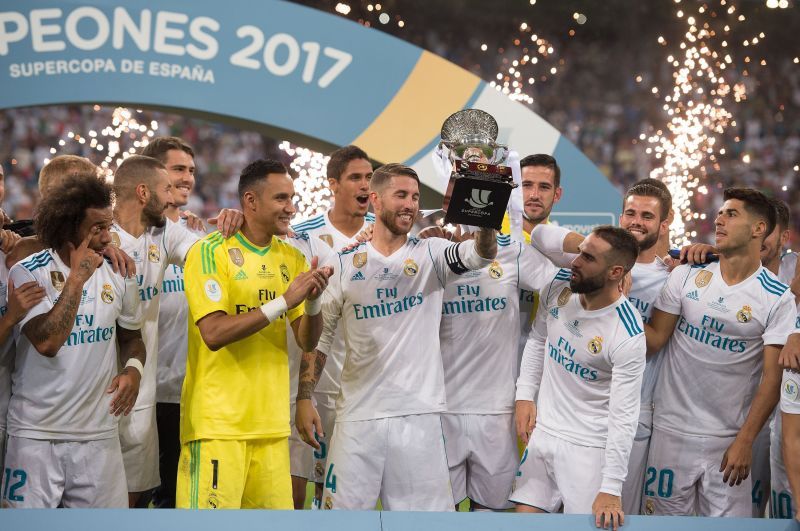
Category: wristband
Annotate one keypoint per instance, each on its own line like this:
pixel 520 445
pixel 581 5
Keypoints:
pixel 136 364
pixel 274 309
pixel 313 307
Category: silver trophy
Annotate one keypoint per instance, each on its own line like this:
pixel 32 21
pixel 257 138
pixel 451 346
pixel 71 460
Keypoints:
pixel 481 183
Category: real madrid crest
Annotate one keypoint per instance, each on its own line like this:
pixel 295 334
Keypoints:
pixel 213 502
pixel 57 278
pixel 595 345
pixel 359 259
pixel 703 278
pixel 328 503
pixel 649 507
pixel 319 470
pixel 107 296
pixel 410 267
pixel 284 273
pixel 495 271
pixel 115 239
pixel 236 256
pixel 564 296
pixel 327 238
pixel 745 314
pixel 152 253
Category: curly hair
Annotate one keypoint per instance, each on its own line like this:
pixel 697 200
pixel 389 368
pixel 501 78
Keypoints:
pixel 61 213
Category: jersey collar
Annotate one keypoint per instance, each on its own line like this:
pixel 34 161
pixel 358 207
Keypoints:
pixel 261 251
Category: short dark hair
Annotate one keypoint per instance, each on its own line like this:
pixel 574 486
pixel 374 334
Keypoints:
pixel 160 145
pixel 341 157
pixel 257 171
pixel 653 182
pixel 59 215
pixel 381 176
pixel 782 216
pixel 624 247
pixel 133 171
pixel 651 190
pixel 547 161
pixel 756 204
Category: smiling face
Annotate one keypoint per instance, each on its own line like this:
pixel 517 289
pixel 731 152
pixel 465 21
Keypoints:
pixel 180 167
pixel 641 217
pixel 397 204
pixel 351 189
pixel 271 203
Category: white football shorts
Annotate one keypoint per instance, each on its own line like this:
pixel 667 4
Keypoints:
pixel 399 460
pixel 683 478
pixel 482 457
pixel 138 437
pixel 44 474
pixel 555 472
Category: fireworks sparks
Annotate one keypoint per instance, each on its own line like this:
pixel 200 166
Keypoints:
pixel 311 185
pixel 117 141
pixel 368 14
pixel 696 107
pixel 531 58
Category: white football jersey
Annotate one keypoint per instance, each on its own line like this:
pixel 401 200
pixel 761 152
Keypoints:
pixel 790 386
pixel 646 285
pixel 390 308
pixel 173 318
pixel 320 227
pixel 548 239
pixel 713 360
pixel 153 252
pixel 787 268
pixel 327 257
pixel 64 397
pixel 790 393
pixel 479 329
pixel 587 367
pixel 6 348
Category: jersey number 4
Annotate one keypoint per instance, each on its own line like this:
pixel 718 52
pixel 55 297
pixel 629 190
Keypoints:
pixel 330 479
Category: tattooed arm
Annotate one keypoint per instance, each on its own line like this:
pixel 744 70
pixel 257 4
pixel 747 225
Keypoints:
pixel 307 418
pixel 310 377
pixel 48 332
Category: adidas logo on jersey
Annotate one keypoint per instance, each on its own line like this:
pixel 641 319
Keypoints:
pixel 357 276
pixel 241 275
pixel 693 295
pixel 554 312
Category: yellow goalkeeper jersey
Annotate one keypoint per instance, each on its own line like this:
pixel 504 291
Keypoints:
pixel 241 391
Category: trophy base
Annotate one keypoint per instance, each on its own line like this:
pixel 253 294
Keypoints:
pixel 478 202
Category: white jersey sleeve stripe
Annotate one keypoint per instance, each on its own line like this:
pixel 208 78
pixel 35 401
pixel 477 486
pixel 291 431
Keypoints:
pixel 770 285
pixel 626 315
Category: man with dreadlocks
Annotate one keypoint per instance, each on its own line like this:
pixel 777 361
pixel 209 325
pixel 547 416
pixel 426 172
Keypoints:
pixel 67 393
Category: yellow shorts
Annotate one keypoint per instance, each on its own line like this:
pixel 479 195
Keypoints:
pixel 234 474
